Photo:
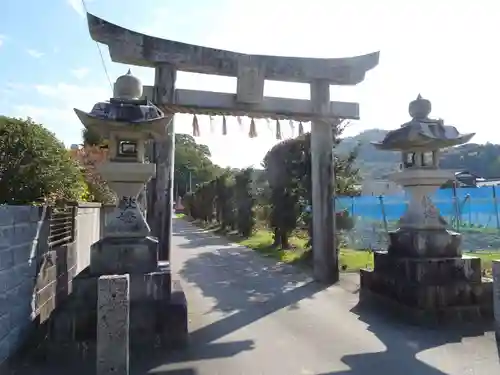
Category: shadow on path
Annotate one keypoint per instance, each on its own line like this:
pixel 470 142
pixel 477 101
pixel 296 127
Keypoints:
pixel 250 287
pixel 197 237
pixel 403 343
pixel 241 283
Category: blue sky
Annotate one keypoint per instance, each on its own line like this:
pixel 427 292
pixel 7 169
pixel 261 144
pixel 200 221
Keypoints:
pixel 445 49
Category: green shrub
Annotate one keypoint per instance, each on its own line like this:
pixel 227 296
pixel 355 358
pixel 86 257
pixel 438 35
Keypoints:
pixel 35 165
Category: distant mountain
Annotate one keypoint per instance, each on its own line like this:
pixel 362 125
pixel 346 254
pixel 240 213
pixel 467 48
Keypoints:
pixel 371 162
pixel 482 160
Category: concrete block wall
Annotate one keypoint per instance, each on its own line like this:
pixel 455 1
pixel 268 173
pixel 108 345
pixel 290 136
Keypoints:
pixel 88 231
pixel 19 226
pixel 35 279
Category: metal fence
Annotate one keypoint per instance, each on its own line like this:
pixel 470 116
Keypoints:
pixel 474 212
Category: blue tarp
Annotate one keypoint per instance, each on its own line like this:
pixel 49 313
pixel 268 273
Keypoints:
pixel 475 205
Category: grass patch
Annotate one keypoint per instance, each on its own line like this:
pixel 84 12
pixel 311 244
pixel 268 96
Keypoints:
pixel 180 216
pixel 353 260
pixel 350 260
pixel 486 260
pixel 262 242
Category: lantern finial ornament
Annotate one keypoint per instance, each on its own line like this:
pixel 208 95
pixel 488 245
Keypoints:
pixel 127 87
pixel 420 108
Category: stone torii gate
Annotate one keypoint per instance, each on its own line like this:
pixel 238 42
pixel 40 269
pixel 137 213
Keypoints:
pixel 167 57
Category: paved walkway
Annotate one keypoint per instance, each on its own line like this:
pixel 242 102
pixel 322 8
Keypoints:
pixel 251 316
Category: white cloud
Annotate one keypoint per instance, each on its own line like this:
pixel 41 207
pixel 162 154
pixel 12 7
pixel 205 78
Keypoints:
pixel 80 73
pixel 58 115
pixel 73 95
pixel 156 25
pixel 34 53
pixel 77 6
pixel 4 38
pixel 60 121
pixel 12 89
pixel 340 29
pixel 349 28
pixel 15 86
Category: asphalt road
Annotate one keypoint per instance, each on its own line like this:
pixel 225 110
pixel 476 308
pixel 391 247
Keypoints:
pixel 249 315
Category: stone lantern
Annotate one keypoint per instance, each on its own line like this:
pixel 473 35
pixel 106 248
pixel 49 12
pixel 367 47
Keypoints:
pixel 127 122
pixel 420 141
pixel 423 269
pixel 127 254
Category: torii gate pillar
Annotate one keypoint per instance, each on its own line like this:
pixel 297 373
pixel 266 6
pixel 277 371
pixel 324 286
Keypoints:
pixel 325 252
pixel 163 93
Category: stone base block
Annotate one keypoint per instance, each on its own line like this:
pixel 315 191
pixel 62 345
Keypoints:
pixel 84 292
pixel 424 243
pixel 117 256
pixel 426 317
pixel 429 271
pixel 439 303
pixel 174 317
pixel 152 286
pixel 157 317
pixel 162 322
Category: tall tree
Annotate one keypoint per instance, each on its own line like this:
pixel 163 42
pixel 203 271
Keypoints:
pixel 192 164
pixel 288 170
pixel 91 138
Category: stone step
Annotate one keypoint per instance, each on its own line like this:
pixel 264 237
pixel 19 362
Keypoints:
pixel 426 296
pixel 430 271
pixel 430 316
pixel 424 243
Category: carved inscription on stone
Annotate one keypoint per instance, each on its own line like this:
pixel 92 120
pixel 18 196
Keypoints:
pixel 128 202
pixel 126 219
pixel 128 207
pixel 250 87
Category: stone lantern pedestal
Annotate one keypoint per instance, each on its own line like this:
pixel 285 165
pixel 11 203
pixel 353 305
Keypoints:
pixel 423 273
pixel 126 246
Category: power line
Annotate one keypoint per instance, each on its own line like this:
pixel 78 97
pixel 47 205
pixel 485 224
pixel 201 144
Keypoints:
pixel 100 53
